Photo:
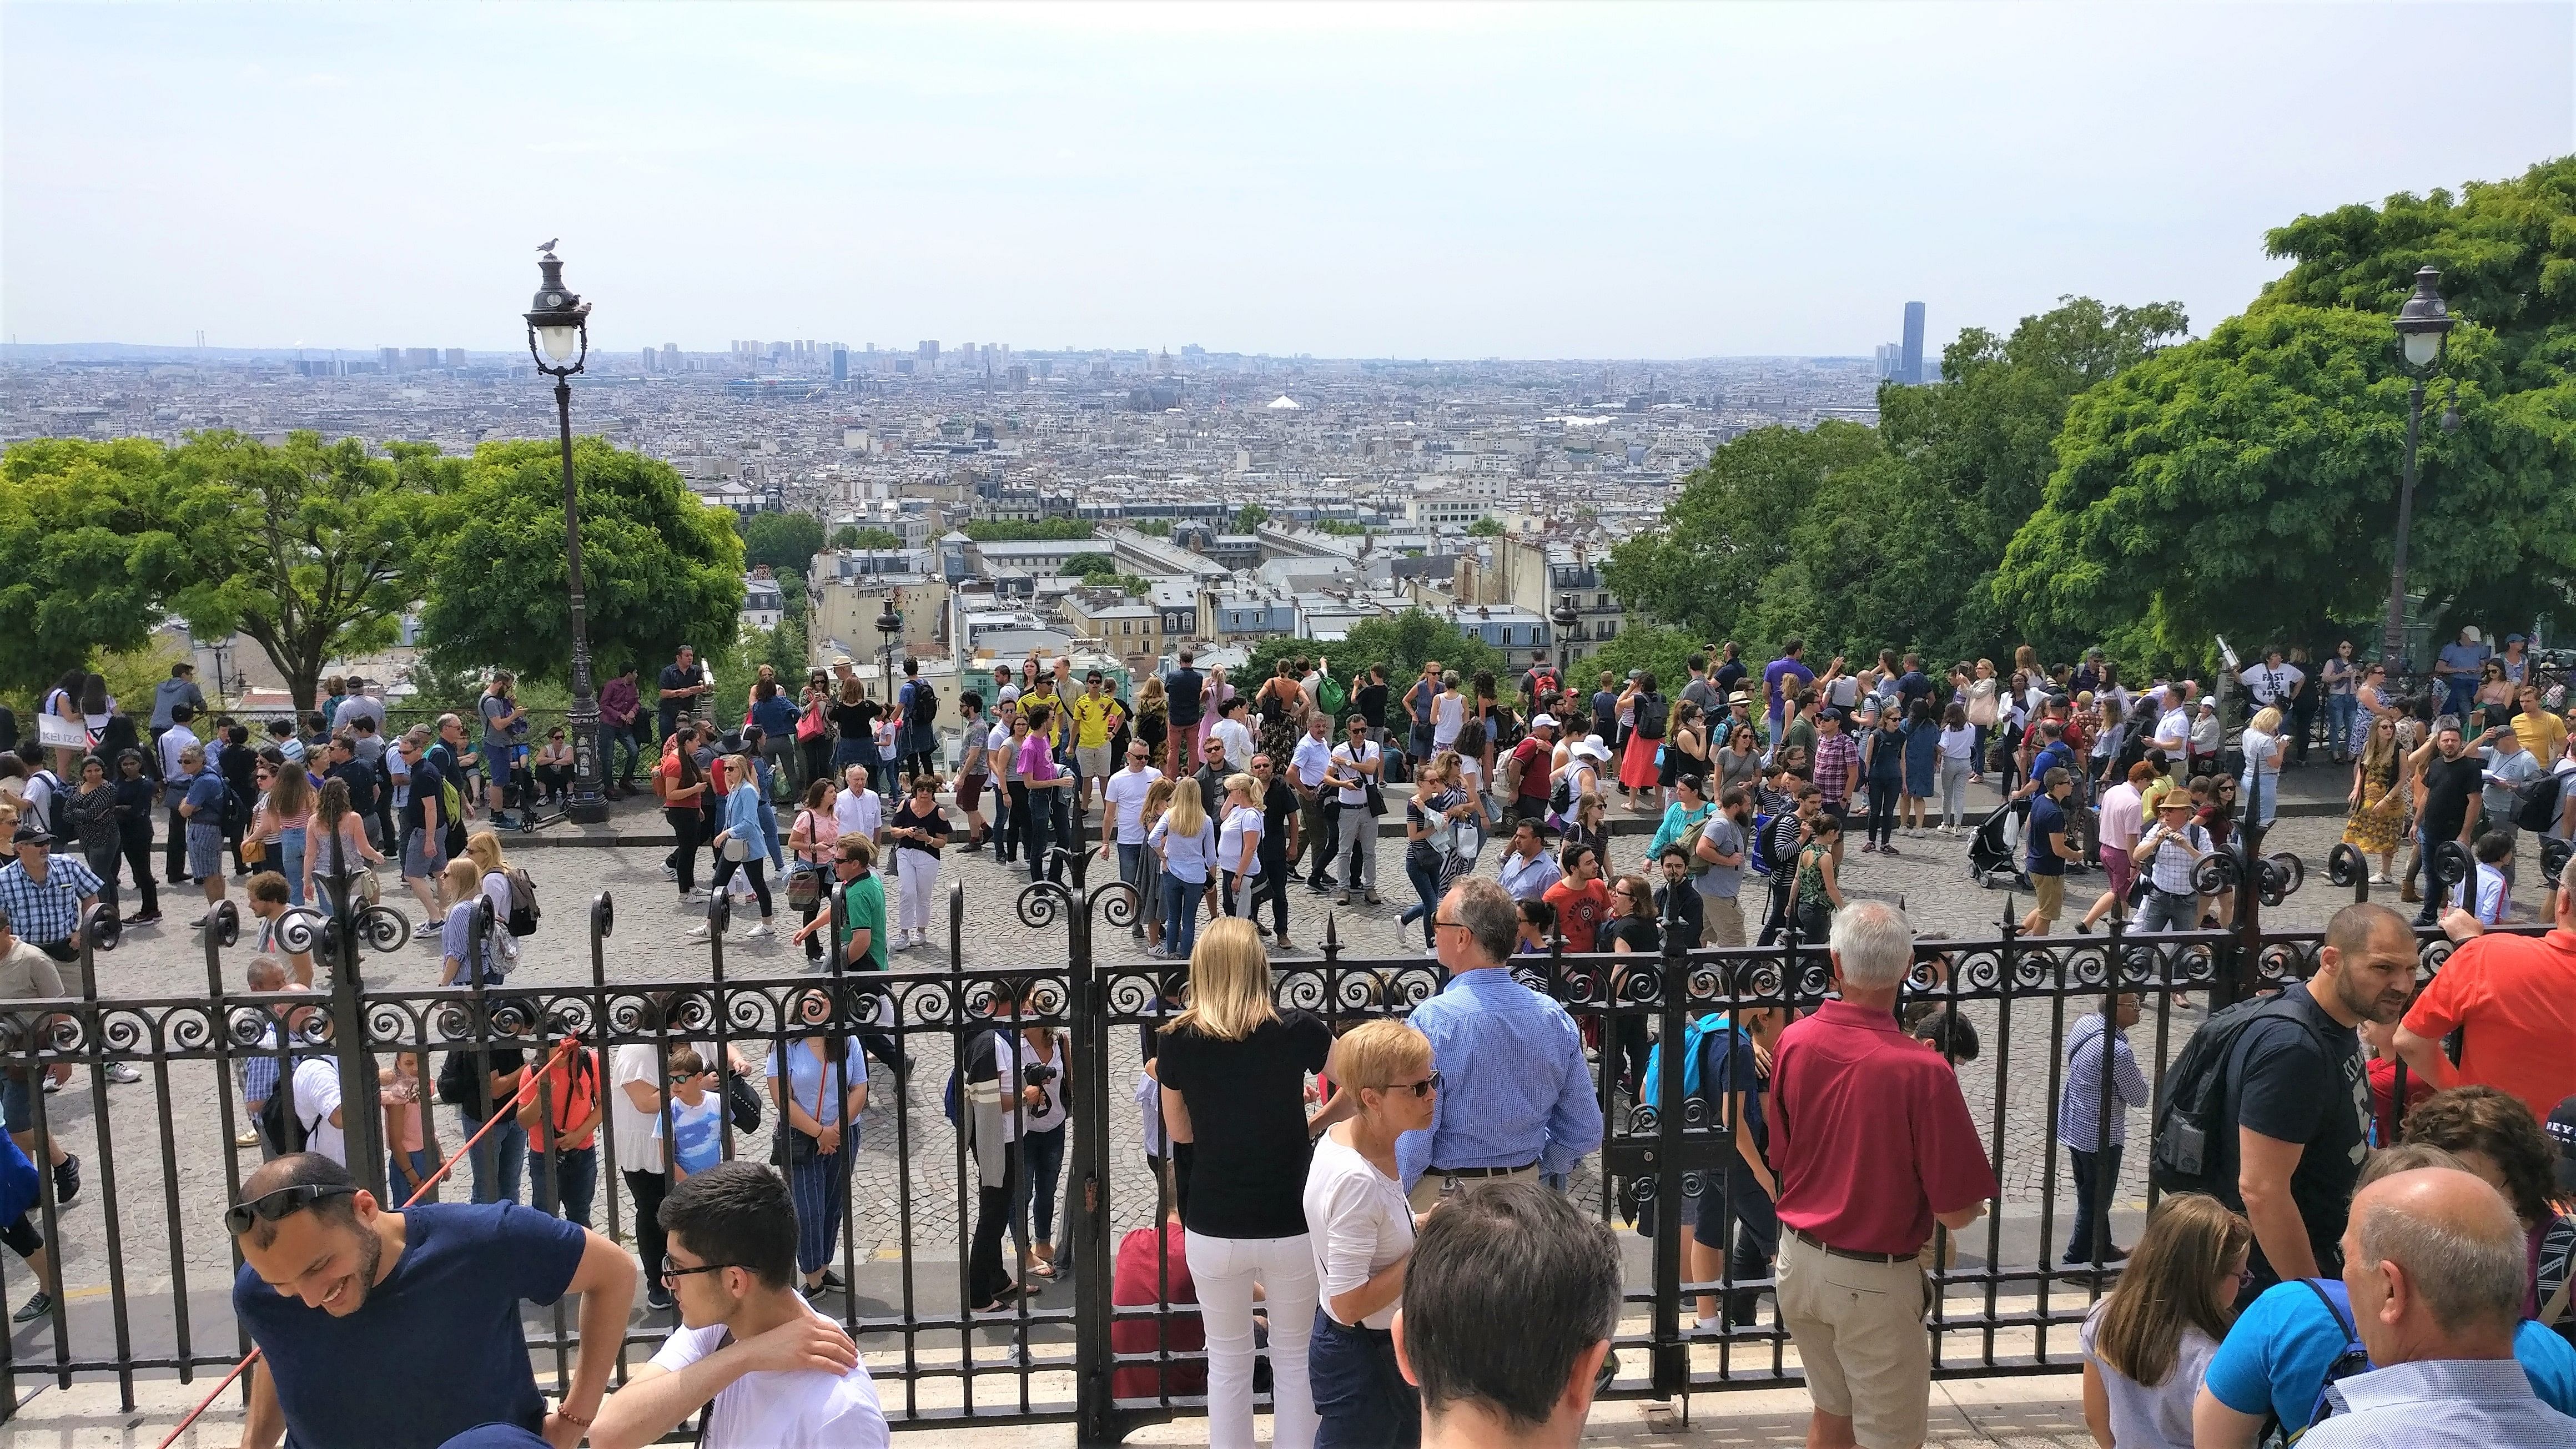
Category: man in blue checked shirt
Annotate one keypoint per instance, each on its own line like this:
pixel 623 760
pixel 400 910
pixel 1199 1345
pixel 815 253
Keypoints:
pixel 1515 1099
pixel 2080 1124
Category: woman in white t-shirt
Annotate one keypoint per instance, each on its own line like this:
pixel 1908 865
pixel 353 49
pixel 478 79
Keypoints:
pixel 1238 845
pixel 1362 1230
pixel 2148 1343
pixel 1958 765
pixel 1184 840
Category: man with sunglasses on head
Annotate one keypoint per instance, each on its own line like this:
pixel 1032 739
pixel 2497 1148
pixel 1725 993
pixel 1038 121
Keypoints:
pixel 400 1329
pixel 770 1371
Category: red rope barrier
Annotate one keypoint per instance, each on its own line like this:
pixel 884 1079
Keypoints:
pixel 526 1088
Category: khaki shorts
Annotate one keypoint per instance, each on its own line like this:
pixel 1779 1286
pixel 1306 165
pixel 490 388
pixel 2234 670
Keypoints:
pixel 1427 1193
pixel 1859 1331
pixel 1722 921
pixel 2048 896
pixel 1093 760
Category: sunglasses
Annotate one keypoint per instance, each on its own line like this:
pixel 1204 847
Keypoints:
pixel 678 1078
pixel 1420 1089
pixel 285 1202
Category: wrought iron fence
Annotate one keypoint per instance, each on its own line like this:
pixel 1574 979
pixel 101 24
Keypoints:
pixel 2003 1303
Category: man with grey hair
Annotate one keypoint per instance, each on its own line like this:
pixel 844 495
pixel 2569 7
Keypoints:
pixel 1515 1099
pixel 1509 1304
pixel 2434 1263
pixel 1872 1144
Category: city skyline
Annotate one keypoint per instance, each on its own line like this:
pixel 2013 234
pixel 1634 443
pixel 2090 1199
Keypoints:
pixel 1448 183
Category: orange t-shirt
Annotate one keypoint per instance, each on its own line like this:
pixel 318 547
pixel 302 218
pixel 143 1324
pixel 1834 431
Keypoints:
pixel 2513 998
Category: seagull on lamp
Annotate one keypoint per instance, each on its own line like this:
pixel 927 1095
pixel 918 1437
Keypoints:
pixel 548 244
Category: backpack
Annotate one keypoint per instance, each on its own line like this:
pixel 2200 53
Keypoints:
pixel 921 706
pixel 1690 844
pixel 1330 696
pixel 2354 1359
pixel 523 903
pixel 2539 809
pixel 1695 1034
pixel 281 1101
pixel 456 1079
pixel 1652 714
pixel 1757 858
pixel 2190 1140
pixel 53 821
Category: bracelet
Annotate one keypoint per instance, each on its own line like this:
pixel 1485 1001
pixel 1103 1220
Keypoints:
pixel 569 1417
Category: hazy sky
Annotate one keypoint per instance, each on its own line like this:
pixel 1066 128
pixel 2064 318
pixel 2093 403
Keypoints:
pixel 1456 181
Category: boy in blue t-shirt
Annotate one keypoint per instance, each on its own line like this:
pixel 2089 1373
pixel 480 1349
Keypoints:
pixel 697 1119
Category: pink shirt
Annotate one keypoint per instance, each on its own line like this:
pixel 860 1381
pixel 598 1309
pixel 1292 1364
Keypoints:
pixel 1037 762
pixel 1869 1133
pixel 826 829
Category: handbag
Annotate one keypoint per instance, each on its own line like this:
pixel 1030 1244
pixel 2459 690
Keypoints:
pixel 804 886
pixel 742 1102
pixel 737 849
pixel 810 726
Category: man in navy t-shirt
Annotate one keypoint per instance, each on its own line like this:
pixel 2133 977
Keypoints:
pixel 400 1330
pixel 2049 846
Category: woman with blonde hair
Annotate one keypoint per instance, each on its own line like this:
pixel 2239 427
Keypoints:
pixel 1238 846
pixel 1362 1228
pixel 1158 802
pixel 1185 841
pixel 2378 807
pixel 1232 1070
pixel 286 817
pixel 2147 1344
pixel 2263 748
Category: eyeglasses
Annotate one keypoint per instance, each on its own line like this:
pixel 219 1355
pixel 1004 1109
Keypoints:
pixel 1438 922
pixel 1423 1088
pixel 268 1207
pixel 671 1268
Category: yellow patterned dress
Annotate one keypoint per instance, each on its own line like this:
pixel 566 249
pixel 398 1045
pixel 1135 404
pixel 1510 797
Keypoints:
pixel 2378 823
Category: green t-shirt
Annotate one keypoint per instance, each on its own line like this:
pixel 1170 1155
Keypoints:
pixel 863 905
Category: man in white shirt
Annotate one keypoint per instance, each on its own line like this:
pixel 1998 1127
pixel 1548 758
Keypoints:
pixel 772 1372
pixel 857 808
pixel 1122 816
pixel 1306 770
pixel 1355 766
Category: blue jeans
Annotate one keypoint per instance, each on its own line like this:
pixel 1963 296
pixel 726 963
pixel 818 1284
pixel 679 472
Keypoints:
pixel 1131 864
pixel 2341 710
pixel 1181 913
pixel 421 1168
pixel 2091 1228
pixel 570 1200
pixel 290 863
pixel 621 746
pixel 1038 830
pixel 1361 1398
pixel 497 1159
pixel 1426 885
pixel 1034 1192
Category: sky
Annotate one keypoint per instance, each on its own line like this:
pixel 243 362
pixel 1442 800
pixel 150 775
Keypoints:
pixel 1450 180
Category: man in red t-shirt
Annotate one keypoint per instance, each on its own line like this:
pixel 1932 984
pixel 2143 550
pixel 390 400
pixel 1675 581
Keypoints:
pixel 1532 762
pixel 1582 902
pixel 1872 1144
pixel 2513 1000
pixel 1148 1263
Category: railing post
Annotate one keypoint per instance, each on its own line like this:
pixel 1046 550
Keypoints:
pixel 1096 1416
pixel 1668 1360
pixel 362 1120
pixel 2247 976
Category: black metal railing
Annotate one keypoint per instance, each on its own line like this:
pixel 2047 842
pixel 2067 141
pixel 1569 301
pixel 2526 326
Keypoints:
pixel 2003 1301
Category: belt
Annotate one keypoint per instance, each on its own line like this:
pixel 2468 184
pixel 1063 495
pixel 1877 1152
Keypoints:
pixel 1479 1172
pixel 1820 1245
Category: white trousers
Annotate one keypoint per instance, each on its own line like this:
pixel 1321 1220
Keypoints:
pixel 1224 1270
pixel 917 872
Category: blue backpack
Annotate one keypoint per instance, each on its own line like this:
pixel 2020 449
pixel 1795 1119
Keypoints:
pixel 1695 1034
pixel 1756 858
pixel 2354 1358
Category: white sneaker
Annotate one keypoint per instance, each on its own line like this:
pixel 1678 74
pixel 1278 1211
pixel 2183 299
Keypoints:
pixel 425 931
pixel 761 932
pixel 670 872
pixel 697 932
pixel 123 1072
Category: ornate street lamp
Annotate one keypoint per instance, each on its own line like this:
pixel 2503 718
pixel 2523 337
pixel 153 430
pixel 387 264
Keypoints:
pixel 1565 618
pixel 559 323
pixel 2423 330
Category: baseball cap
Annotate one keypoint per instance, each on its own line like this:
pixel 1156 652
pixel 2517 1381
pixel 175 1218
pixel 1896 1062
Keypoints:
pixel 2208 703
pixel 2515 639
pixel 2562 1134
pixel 1543 722
pixel 32 835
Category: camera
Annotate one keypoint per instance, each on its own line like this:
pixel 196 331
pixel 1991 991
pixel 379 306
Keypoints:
pixel 1038 1074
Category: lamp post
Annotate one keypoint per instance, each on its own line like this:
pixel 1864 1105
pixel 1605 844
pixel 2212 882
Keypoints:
pixel 1565 618
pixel 889 627
pixel 559 322
pixel 2423 329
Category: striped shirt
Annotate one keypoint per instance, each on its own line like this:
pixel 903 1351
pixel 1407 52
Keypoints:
pixel 2079 1102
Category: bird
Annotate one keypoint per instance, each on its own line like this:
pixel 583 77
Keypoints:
pixel 548 244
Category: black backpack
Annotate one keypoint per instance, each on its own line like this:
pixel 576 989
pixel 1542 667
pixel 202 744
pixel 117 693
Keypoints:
pixel 922 706
pixel 2539 809
pixel 274 1113
pixel 1652 713
pixel 2191 1143
pixel 456 1079
pixel 523 903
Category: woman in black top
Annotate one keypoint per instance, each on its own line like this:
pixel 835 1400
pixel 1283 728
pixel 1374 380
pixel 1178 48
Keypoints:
pixel 1233 1070
pixel 683 808
pixel 135 796
pixel 1370 700
pixel 1630 931
pixel 854 720
pixel 918 832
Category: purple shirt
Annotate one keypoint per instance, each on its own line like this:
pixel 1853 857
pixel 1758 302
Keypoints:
pixel 1779 669
pixel 617 701
pixel 1037 762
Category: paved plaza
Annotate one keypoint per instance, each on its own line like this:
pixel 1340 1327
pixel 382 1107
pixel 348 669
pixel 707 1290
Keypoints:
pixel 910 1210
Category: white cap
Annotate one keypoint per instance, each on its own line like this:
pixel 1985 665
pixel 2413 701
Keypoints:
pixel 1543 722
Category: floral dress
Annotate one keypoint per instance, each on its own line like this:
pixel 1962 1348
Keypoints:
pixel 2379 822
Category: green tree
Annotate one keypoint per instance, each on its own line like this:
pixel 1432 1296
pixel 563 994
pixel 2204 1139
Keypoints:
pixel 1663 650
pixel 1082 565
pixel 1341 527
pixel 871 537
pixel 997 530
pixel 659 567
pixel 85 528
pixel 1158 527
pixel 311 550
pixel 787 542
pixel 1403 641
pixel 1486 527
pixel 1249 517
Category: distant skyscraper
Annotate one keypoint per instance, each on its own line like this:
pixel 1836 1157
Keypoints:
pixel 840 364
pixel 1913 344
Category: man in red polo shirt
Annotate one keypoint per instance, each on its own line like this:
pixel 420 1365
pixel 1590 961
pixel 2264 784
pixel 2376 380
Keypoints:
pixel 2513 1000
pixel 1873 1144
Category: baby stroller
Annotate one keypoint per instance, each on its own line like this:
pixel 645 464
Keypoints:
pixel 1994 847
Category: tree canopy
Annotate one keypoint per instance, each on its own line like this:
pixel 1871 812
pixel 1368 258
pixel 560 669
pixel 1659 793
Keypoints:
pixel 999 530
pixel 851 536
pixel 786 542
pixel 659 567
pixel 91 550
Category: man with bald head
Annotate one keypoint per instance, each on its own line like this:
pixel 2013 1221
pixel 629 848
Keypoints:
pixel 2433 1261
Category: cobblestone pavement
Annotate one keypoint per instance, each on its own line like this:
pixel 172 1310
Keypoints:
pixel 908 1227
